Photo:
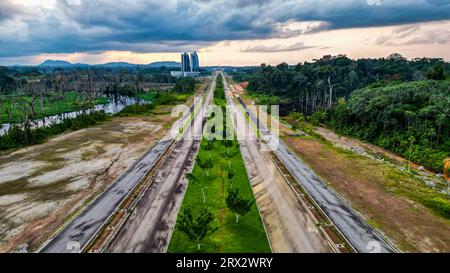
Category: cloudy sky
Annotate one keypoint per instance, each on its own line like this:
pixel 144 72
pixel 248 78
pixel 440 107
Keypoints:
pixel 225 32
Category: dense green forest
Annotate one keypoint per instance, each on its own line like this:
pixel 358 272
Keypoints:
pixel 411 119
pixel 310 86
pixel 399 104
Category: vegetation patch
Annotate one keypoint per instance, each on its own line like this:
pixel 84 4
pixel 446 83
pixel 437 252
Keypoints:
pixel 210 187
pixel 20 137
pixel 401 105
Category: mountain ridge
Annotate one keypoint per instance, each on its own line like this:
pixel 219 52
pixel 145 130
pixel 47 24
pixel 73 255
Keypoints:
pixel 63 63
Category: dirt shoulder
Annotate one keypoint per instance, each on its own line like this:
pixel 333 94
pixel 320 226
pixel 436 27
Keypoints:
pixel 42 185
pixel 377 184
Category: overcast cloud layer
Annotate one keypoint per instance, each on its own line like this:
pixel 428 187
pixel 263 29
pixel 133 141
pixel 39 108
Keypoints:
pixel 172 26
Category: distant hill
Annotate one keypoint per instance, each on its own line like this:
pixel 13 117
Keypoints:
pixel 166 64
pixel 61 63
pixel 118 64
pixel 55 63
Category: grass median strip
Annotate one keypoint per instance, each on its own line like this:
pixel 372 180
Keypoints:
pixel 219 213
pixel 248 234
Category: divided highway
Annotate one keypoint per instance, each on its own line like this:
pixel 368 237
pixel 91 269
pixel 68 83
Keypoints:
pixel 289 225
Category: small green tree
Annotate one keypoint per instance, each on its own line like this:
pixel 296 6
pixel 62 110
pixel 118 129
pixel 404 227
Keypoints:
pixel 208 145
pixel 229 155
pixel 193 178
pixel 230 175
pixel 196 228
pixel 205 164
pixel 227 143
pixel 237 203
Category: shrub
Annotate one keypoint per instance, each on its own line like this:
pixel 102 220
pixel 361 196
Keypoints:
pixel 319 116
pixel 439 205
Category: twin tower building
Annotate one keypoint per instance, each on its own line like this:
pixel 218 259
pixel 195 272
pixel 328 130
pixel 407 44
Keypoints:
pixel 189 62
pixel 190 66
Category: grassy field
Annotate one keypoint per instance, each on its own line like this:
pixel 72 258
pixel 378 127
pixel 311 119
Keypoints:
pixel 164 95
pixel 66 104
pixel 149 96
pixel 246 236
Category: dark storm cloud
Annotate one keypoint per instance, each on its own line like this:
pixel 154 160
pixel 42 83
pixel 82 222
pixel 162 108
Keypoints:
pixel 170 25
pixel 8 10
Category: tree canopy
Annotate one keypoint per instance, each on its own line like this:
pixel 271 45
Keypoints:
pixel 411 119
pixel 307 85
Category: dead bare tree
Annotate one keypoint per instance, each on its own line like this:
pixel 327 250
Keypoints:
pixel 2 110
pixel 330 95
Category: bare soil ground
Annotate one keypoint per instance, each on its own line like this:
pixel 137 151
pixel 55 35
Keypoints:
pixel 41 186
pixel 360 147
pixel 368 185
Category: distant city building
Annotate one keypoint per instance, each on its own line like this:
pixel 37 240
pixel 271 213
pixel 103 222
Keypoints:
pixel 185 63
pixel 190 66
pixel 195 65
pixel 177 74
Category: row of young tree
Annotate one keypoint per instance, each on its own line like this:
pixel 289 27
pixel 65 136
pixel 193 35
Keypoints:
pixel 199 226
pixel 310 86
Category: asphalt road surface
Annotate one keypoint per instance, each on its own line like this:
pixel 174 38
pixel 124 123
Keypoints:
pixel 358 232
pixel 80 230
